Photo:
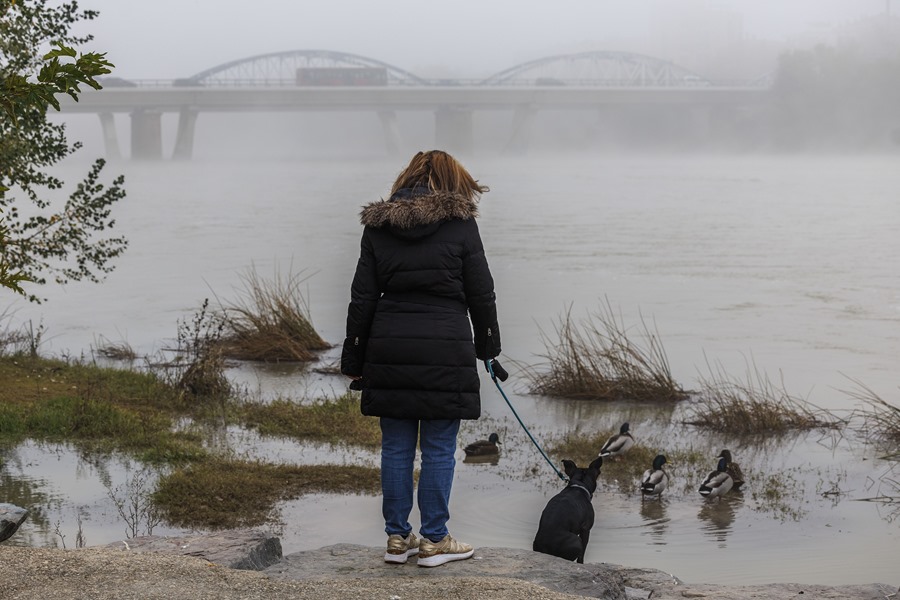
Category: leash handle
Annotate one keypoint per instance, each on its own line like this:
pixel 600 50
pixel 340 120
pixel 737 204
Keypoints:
pixel 494 368
pixel 498 372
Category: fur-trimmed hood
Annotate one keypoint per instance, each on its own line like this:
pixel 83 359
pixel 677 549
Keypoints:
pixel 418 210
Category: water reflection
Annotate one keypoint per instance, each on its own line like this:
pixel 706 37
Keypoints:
pixel 603 415
pixel 656 520
pixel 490 459
pixel 717 516
pixel 67 493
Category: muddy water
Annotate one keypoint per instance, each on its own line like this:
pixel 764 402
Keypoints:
pixel 781 265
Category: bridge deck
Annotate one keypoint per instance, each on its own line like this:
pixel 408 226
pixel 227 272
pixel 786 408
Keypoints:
pixel 229 99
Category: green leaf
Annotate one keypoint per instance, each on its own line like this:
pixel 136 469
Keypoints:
pixel 61 50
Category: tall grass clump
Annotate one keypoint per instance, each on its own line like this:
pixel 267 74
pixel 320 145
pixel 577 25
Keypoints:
pixel 880 419
pixel 271 321
pixel 753 405
pixel 596 360
pixel 121 351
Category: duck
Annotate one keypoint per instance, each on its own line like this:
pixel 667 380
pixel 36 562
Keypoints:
pixel 718 482
pixel 618 444
pixel 655 479
pixel 732 469
pixel 484 447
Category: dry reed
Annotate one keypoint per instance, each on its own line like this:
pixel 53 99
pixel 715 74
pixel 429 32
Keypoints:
pixel 596 360
pixel 880 419
pixel 115 350
pixel 754 405
pixel 270 321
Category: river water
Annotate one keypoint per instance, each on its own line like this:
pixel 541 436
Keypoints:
pixel 778 264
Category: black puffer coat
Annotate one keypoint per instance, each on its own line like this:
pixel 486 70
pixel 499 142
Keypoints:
pixel 421 268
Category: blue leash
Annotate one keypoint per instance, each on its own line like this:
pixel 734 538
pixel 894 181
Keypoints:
pixel 490 365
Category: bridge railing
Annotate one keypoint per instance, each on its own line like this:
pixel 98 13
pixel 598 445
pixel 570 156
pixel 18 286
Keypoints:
pixel 530 82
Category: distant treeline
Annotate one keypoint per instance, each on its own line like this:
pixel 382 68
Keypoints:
pixel 835 98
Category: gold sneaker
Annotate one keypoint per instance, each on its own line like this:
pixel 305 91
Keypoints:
pixel 400 548
pixel 432 554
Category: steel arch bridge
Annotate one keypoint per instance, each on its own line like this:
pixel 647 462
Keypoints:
pixel 280 68
pixel 599 69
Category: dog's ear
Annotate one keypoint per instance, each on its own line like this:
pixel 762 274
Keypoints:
pixel 598 462
pixel 569 467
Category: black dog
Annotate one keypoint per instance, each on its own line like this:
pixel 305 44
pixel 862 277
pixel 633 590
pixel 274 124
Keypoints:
pixel 568 517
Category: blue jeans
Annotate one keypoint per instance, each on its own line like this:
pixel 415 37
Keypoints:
pixel 437 441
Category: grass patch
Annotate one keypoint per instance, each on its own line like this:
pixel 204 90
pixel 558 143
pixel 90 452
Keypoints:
pixel 752 406
pixel 335 421
pixel 270 321
pixel 93 407
pixel 26 380
pixel 222 494
pixel 596 360
pixel 779 494
pixel 624 471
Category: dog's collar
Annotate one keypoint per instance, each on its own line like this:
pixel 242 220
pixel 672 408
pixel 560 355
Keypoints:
pixel 584 489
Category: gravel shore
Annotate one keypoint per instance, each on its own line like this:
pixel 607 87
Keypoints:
pixel 101 574
pixel 344 571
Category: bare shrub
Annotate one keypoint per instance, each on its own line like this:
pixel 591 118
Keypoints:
pixel 271 321
pixel 134 503
pixel 26 340
pixel 9 338
pixel 596 360
pixel 753 405
pixel 200 361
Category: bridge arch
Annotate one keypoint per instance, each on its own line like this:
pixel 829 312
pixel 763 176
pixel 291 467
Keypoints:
pixel 280 68
pixel 596 68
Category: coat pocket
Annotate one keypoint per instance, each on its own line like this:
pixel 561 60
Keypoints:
pixel 353 355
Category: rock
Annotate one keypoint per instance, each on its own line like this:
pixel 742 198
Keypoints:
pixel 238 549
pixel 348 561
pixel 594 580
pixel 362 568
pixel 11 517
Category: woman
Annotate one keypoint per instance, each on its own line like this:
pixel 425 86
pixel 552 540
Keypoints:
pixel 410 346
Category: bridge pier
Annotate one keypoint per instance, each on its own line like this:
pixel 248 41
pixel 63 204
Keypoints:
pixel 521 129
pixel 454 130
pixel 110 139
pixel 184 139
pixel 388 120
pixel 146 135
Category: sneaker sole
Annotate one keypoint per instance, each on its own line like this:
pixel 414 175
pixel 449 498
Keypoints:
pixel 399 558
pixel 440 559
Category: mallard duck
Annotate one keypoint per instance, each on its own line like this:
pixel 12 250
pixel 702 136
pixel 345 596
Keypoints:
pixel 733 469
pixel 618 444
pixel 718 482
pixel 655 480
pixel 484 447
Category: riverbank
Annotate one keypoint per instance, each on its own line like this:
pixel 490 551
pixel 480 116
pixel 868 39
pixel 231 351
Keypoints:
pixel 197 567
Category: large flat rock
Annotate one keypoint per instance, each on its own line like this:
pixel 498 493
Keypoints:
pixel 594 580
pixel 251 550
pixel 360 562
pixel 363 567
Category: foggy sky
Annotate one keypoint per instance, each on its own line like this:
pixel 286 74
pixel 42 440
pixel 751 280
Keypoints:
pixel 166 39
